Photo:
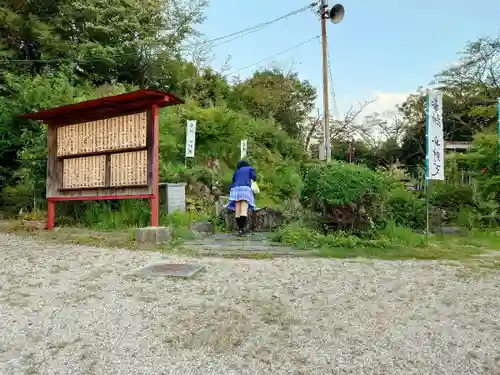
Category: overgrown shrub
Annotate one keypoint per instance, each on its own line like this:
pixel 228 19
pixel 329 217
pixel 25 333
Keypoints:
pixel 302 237
pixel 104 215
pixel 350 197
pixel 452 196
pixel 17 198
pixel 391 242
pixel 406 208
pixel 455 200
pixel 274 154
pixel 285 182
pixel 467 217
pixel 484 164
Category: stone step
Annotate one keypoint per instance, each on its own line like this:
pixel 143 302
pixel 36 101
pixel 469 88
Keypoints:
pixel 232 243
pixel 257 254
pixel 236 246
pixel 243 248
pixel 259 236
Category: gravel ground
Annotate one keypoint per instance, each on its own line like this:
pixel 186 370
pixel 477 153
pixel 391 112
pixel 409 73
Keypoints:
pixel 70 310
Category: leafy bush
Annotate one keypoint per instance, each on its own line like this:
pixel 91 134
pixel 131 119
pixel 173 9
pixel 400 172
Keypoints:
pixel 483 161
pixel 35 215
pixel 17 198
pixel 406 208
pixel 392 242
pixel 452 196
pixel 402 236
pixel 300 236
pixel 350 197
pixel 285 182
pixel 467 217
pixel 455 200
pixel 220 129
pixel 104 215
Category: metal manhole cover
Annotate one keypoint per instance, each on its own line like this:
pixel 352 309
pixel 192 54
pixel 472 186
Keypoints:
pixel 171 269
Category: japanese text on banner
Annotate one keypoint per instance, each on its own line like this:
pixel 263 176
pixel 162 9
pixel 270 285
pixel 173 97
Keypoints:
pixel 190 138
pixel 243 148
pixel 435 140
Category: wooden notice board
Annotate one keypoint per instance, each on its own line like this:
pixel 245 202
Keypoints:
pixel 104 149
pixel 107 157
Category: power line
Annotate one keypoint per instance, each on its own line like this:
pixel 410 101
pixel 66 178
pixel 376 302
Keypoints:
pixel 250 65
pixel 275 55
pixel 233 36
pixel 260 26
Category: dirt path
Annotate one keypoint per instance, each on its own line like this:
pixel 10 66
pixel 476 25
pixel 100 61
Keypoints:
pixel 69 310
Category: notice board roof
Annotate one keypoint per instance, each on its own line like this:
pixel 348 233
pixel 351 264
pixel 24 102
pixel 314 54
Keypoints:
pixel 105 107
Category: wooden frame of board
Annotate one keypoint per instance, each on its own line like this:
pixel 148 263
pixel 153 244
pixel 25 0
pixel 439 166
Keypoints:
pixel 104 149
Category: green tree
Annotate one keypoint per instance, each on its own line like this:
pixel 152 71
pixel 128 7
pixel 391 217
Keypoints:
pixel 102 41
pixel 21 95
pixel 274 94
pixel 470 90
pixel 56 52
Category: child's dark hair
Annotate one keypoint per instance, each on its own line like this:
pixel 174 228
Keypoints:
pixel 242 163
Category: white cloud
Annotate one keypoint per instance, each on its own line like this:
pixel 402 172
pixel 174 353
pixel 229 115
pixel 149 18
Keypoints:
pixel 382 109
pixel 385 103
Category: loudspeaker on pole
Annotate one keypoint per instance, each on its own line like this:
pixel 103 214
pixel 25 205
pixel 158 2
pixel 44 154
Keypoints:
pixel 337 13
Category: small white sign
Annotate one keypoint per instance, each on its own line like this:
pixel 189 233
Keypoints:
pixel 243 148
pixel 190 138
pixel 435 139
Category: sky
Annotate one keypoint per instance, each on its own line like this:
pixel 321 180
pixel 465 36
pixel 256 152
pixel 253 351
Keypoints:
pixel 382 50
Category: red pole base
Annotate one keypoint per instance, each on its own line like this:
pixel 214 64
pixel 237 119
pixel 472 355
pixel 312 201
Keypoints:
pixel 51 214
pixel 155 208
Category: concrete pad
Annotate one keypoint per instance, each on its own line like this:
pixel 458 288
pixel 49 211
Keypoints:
pixel 153 235
pixel 184 270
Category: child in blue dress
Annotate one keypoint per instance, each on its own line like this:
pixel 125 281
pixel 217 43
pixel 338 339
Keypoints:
pixel 241 197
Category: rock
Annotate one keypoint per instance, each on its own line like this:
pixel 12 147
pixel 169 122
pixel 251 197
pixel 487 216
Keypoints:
pixel 153 235
pixel 292 208
pixel 201 191
pixel 449 230
pixel 202 228
pixel 260 220
pixel 220 203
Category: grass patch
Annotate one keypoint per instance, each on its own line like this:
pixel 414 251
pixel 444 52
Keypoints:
pixel 392 243
pixel 117 238
pixel 81 236
pixel 123 239
pixel 396 252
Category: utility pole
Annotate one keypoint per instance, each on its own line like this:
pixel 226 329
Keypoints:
pixel 326 116
pixel 335 14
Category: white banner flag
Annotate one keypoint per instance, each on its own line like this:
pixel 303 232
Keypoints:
pixel 243 148
pixel 190 138
pixel 435 140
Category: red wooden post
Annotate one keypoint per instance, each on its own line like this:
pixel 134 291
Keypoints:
pixel 155 201
pixel 51 214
